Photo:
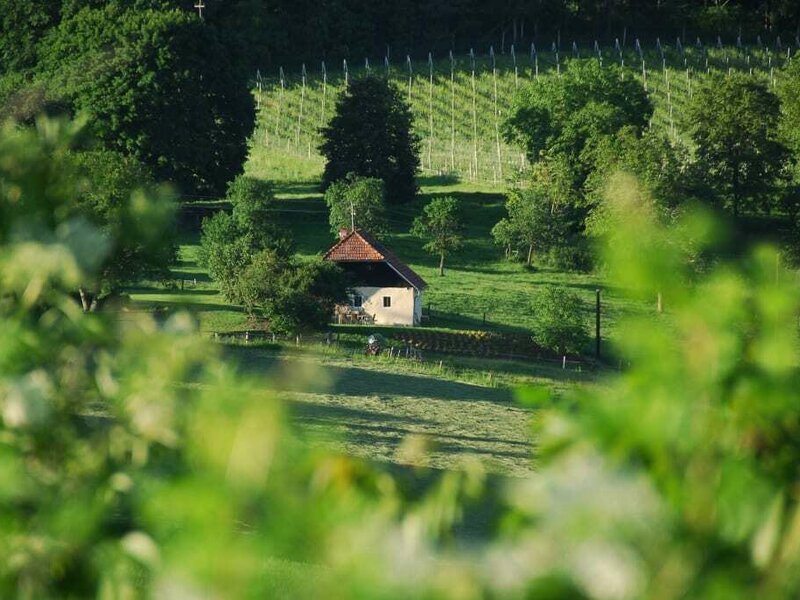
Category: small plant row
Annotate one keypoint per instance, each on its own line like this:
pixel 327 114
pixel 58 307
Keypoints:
pixel 459 103
pixel 472 343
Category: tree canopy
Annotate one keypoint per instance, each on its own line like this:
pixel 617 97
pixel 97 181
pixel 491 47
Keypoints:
pixel 111 197
pixel 292 295
pixel 543 213
pixel 441 227
pixel 733 120
pixel 370 135
pixel 167 94
pixel 356 203
pixel 568 114
pixel 231 239
pixel 560 321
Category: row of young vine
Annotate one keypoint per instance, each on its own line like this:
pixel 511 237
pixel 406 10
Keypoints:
pixel 460 102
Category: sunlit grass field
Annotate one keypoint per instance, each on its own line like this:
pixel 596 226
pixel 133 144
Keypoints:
pixel 481 289
pixel 462 409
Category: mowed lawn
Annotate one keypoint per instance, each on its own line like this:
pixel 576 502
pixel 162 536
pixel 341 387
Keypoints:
pixel 375 411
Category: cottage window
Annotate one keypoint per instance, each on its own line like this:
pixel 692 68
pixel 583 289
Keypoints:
pixel 387 302
pixel 357 301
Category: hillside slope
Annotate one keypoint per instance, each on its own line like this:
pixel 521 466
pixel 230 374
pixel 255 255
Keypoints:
pixel 458 105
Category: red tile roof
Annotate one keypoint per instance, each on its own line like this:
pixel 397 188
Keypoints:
pixel 361 246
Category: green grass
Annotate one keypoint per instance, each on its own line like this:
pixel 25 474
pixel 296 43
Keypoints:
pixel 371 408
pixel 455 138
pixel 478 280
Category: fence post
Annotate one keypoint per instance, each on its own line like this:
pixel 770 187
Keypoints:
pixel 597 323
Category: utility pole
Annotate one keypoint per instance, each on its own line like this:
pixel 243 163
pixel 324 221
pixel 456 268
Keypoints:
pixel 200 6
pixel 352 217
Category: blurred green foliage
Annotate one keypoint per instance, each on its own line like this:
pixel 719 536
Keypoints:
pixel 135 463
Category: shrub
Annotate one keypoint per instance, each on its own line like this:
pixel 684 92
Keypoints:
pixel 559 322
pixel 576 256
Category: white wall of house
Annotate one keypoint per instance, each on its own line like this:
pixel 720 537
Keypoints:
pixel 417 307
pixel 405 304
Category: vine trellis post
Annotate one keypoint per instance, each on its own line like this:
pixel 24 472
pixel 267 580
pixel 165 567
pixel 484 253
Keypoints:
pixel 410 77
pixel 452 112
pixel 474 116
pixel 280 101
pixel 324 94
pixel 302 102
pixel 496 115
pixel 516 71
pixel 430 111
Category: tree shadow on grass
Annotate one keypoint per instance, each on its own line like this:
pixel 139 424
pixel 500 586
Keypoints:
pixel 191 275
pixel 328 413
pixel 352 381
pixel 439 444
pixel 191 306
pixel 309 187
pixel 453 320
pixel 316 413
pixel 446 179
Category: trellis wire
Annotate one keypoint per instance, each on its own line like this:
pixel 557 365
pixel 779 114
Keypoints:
pixel 301 109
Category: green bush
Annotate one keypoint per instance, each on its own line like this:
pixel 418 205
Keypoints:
pixel 575 256
pixel 560 321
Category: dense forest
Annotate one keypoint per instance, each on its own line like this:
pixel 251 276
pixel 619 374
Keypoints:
pixel 268 33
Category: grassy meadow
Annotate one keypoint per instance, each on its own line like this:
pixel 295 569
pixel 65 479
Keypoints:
pixel 478 280
pixel 429 413
pixel 407 413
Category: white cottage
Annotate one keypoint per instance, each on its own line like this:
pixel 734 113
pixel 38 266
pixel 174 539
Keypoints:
pixel 385 290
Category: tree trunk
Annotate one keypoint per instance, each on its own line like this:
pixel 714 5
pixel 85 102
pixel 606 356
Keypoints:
pixel 88 301
pixel 441 265
pixel 530 254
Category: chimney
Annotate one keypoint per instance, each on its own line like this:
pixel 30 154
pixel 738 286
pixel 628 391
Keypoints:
pixel 343 233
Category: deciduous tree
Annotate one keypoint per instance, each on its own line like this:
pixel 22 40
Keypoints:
pixel 114 197
pixel 440 224
pixel 560 321
pixel 733 120
pixel 566 115
pixel 159 85
pixel 543 213
pixel 292 295
pixel 371 135
pixel 230 240
pixel 356 203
